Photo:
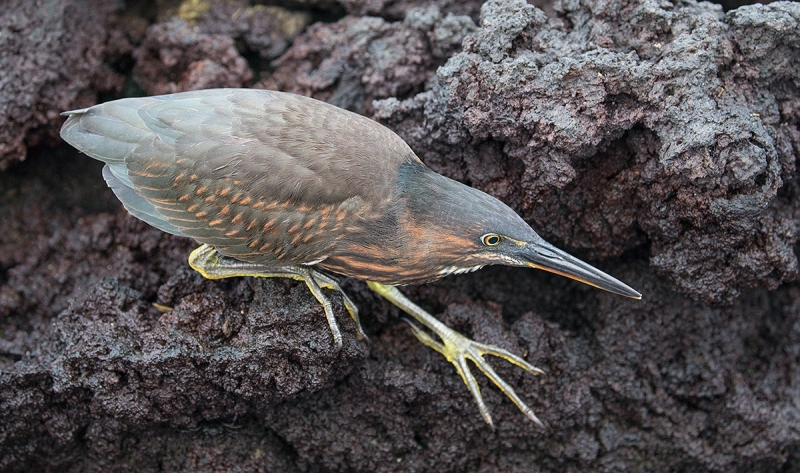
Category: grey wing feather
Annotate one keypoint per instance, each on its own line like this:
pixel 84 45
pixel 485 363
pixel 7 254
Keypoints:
pixel 120 172
pixel 166 155
pixel 135 204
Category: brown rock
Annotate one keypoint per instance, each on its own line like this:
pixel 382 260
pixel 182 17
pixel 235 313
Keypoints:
pixel 54 55
pixel 658 137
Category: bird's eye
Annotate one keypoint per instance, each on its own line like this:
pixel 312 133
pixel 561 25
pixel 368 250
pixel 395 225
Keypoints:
pixel 490 239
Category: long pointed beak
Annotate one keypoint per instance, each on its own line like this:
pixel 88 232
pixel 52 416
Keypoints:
pixel 543 255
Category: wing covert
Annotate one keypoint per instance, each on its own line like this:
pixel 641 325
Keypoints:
pixel 243 169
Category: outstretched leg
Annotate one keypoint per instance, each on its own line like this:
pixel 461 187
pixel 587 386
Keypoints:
pixel 458 349
pixel 212 265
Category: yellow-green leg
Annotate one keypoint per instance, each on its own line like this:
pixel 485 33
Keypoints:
pixel 458 349
pixel 208 262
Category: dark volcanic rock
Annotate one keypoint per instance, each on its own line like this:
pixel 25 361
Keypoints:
pixel 176 57
pixel 201 45
pixel 354 61
pixel 398 9
pixel 54 55
pixel 263 30
pixel 628 122
pixel 654 138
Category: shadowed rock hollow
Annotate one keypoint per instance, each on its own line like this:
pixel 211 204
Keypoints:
pixel 655 139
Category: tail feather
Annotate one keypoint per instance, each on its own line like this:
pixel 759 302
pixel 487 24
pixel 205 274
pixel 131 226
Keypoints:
pixel 108 132
pixel 74 112
pixel 111 133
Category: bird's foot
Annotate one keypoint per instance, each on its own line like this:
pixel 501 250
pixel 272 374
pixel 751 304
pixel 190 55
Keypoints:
pixel 212 265
pixel 457 349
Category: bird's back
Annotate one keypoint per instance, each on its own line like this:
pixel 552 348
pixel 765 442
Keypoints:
pixel 263 176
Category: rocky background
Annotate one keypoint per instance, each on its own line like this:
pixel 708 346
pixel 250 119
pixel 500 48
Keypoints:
pixel 656 139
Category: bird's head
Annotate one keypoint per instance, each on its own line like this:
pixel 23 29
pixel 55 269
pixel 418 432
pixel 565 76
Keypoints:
pixel 458 229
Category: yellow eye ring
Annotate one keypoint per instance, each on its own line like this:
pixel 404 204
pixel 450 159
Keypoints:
pixel 491 239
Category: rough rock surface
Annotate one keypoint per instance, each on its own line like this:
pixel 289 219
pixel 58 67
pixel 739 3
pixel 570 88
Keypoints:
pixel 54 54
pixel 676 110
pixel 176 56
pixel 357 60
pixel 395 10
pixel 653 138
pixel 266 31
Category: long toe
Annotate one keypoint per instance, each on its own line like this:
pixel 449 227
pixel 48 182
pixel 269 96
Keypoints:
pixel 457 349
pixel 486 368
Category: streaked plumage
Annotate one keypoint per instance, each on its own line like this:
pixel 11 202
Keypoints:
pixel 229 169
pixel 282 184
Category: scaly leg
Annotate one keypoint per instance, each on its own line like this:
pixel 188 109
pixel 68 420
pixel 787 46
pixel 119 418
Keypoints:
pixel 458 349
pixel 212 265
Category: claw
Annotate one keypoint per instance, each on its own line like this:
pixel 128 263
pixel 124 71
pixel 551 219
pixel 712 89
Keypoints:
pixel 211 265
pixel 487 369
pixel 328 282
pixel 457 349
pixel 326 305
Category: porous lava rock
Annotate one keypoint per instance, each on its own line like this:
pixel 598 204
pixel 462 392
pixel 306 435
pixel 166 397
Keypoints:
pixel 655 139
pixel 54 55
pixel 357 60
pixel 630 122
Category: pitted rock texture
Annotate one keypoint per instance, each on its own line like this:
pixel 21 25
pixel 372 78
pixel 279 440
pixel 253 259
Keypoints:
pixel 651 138
pixel 263 30
pixel 356 60
pixel 201 45
pixel 675 110
pixel 54 55
pixel 176 56
pixel 395 10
